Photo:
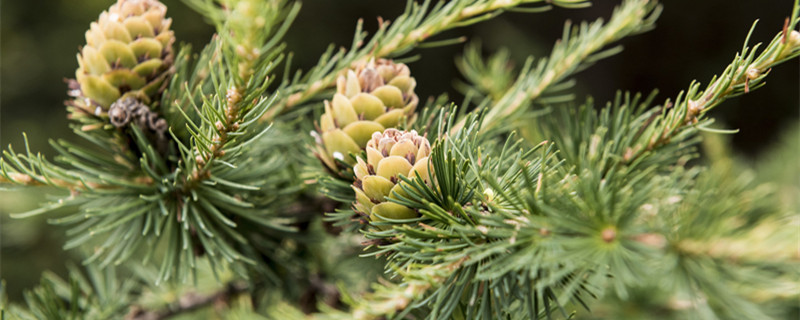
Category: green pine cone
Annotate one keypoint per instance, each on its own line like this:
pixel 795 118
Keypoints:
pixel 128 53
pixel 389 155
pixel 369 99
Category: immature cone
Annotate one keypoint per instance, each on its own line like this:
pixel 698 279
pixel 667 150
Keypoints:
pixel 389 155
pixel 369 99
pixel 128 53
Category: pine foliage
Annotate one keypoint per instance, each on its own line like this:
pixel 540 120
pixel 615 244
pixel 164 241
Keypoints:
pixel 538 204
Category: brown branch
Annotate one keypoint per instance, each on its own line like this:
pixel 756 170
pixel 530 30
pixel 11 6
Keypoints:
pixel 203 160
pixel 188 302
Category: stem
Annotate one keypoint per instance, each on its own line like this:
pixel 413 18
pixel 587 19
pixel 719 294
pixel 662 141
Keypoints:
pixel 188 302
pixel 29 180
pixel 736 79
pixel 203 169
pixel 32 180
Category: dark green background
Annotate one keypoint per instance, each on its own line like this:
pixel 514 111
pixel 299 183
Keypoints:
pixel 693 40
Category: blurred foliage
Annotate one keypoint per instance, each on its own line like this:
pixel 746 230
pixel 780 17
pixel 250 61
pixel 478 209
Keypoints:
pixel 777 170
pixel 28 246
pixel 39 40
pixel 780 165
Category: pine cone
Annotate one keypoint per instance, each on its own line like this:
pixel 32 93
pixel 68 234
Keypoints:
pixel 389 155
pixel 371 98
pixel 128 53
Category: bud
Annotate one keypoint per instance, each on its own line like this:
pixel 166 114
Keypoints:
pixel 389 155
pixel 489 194
pixel 372 97
pixel 794 38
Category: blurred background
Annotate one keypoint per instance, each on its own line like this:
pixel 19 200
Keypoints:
pixel 39 40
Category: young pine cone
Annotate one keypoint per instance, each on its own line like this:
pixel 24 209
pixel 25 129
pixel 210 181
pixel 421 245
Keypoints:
pixel 389 155
pixel 371 98
pixel 128 53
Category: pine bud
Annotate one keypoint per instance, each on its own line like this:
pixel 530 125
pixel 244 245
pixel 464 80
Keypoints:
pixel 794 38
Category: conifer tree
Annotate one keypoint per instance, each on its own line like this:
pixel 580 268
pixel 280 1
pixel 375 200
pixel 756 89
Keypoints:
pixel 194 189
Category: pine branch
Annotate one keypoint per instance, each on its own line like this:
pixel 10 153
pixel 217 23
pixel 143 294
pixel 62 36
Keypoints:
pixel 179 197
pixel 96 295
pixel 745 73
pixel 765 243
pixel 489 78
pixel 110 169
pixel 34 180
pixel 250 29
pixel 497 230
pixel 744 246
pixel 528 216
pixel 460 227
pixel 417 24
pixel 629 134
pixel 248 46
pixel 611 142
pixel 578 48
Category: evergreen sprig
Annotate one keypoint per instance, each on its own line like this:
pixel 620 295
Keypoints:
pixel 578 48
pixel 580 219
pixel 97 294
pixel 746 72
pixel 417 24
pixel 603 207
pixel 190 196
